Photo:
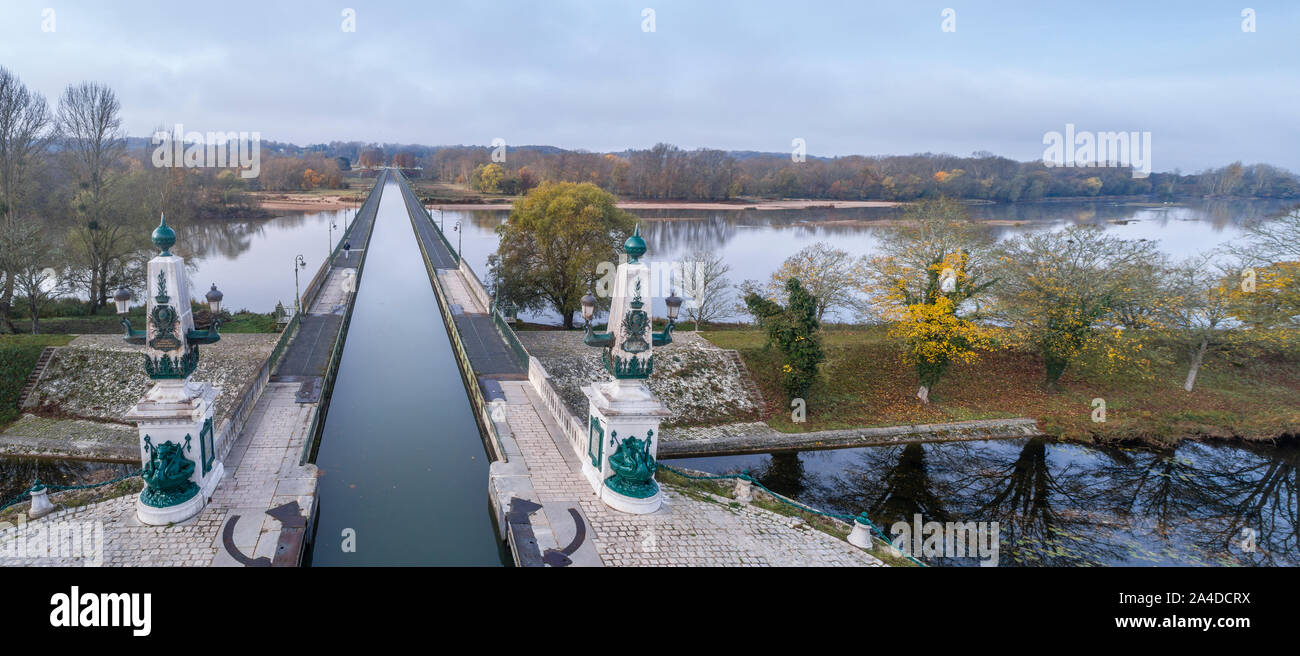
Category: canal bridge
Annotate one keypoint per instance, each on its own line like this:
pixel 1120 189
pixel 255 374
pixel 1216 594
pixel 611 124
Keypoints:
pixel 398 398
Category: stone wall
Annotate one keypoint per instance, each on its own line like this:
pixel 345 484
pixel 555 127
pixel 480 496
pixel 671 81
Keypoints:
pixel 564 416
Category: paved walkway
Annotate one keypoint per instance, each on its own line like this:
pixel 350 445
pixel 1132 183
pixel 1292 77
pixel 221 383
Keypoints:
pixel 262 473
pixel 457 289
pixel 688 531
pixel 487 349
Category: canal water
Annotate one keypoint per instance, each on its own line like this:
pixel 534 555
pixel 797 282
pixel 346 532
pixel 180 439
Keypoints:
pixel 403 467
pixel 1059 504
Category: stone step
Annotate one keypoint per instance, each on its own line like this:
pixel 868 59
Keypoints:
pixel 47 354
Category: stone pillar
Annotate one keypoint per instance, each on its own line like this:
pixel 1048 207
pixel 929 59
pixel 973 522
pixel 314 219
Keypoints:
pixel 623 445
pixel 744 490
pixel 623 414
pixel 178 451
pixel 177 437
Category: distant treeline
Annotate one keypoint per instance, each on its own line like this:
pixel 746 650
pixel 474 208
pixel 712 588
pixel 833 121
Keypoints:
pixel 669 172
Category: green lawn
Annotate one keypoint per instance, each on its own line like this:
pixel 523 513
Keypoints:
pixel 865 383
pixel 108 323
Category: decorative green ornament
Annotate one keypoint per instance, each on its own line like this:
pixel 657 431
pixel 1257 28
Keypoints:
pixel 164 237
pixel 167 475
pixel 634 246
pixel 629 367
pixel 634 468
pixel 168 367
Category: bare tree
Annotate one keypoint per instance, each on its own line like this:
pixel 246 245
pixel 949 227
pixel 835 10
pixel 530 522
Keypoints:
pixel 1196 307
pixel 830 274
pixel 27 253
pixel 90 124
pixel 1269 241
pixel 25 132
pixel 705 283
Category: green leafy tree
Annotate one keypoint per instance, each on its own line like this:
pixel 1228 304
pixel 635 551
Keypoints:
pixel 1058 289
pixel 553 242
pixel 487 178
pixel 795 331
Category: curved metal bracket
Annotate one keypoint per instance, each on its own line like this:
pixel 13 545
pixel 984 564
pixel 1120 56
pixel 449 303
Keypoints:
pixel 209 336
pixel 664 338
pixel 132 336
pixel 602 340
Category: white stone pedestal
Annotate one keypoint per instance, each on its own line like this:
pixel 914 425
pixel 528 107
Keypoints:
pixel 619 410
pixel 179 412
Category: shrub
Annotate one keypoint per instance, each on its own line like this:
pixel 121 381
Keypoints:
pixel 794 330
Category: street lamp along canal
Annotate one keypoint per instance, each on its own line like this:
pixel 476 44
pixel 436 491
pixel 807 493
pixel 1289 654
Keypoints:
pixel 460 239
pixel 298 265
pixel 181 463
pixel 623 414
pixel 330 251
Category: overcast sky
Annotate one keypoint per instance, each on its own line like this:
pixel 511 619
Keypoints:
pixel 852 77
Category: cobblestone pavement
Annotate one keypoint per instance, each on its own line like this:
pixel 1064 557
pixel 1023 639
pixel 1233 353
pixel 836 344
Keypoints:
pixel 262 472
pixel 688 531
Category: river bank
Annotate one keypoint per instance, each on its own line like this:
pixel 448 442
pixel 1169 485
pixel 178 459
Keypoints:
pixel 1255 400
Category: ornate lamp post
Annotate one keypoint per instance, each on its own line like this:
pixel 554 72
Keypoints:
pixel 624 415
pixel 298 264
pixel 330 250
pixel 181 463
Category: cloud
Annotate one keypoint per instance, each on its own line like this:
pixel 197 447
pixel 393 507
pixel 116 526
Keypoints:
pixel 849 77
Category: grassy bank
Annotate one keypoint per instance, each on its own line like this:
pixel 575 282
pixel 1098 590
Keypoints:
pixel 107 322
pixel 451 193
pixel 865 383
pixel 18 356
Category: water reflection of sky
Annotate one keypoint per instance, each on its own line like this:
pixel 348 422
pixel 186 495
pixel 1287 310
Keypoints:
pixel 1061 504
pixel 755 242
pixel 252 261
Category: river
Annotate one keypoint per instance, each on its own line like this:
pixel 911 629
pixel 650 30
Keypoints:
pixel 754 243
pixel 1061 504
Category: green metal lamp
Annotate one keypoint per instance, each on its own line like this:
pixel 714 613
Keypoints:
pixel 209 336
pixel 123 300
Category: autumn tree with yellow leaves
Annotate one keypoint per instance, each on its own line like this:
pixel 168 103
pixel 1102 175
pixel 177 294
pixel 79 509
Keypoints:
pixel 1267 297
pixel 930 273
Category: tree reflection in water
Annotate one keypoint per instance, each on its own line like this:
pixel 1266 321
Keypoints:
pixel 1062 504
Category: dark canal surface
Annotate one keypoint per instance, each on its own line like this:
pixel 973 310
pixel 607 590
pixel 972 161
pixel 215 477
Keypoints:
pixel 1061 504
pixel 402 463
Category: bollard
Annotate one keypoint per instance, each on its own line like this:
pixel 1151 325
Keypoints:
pixel 861 534
pixel 41 505
pixel 744 490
